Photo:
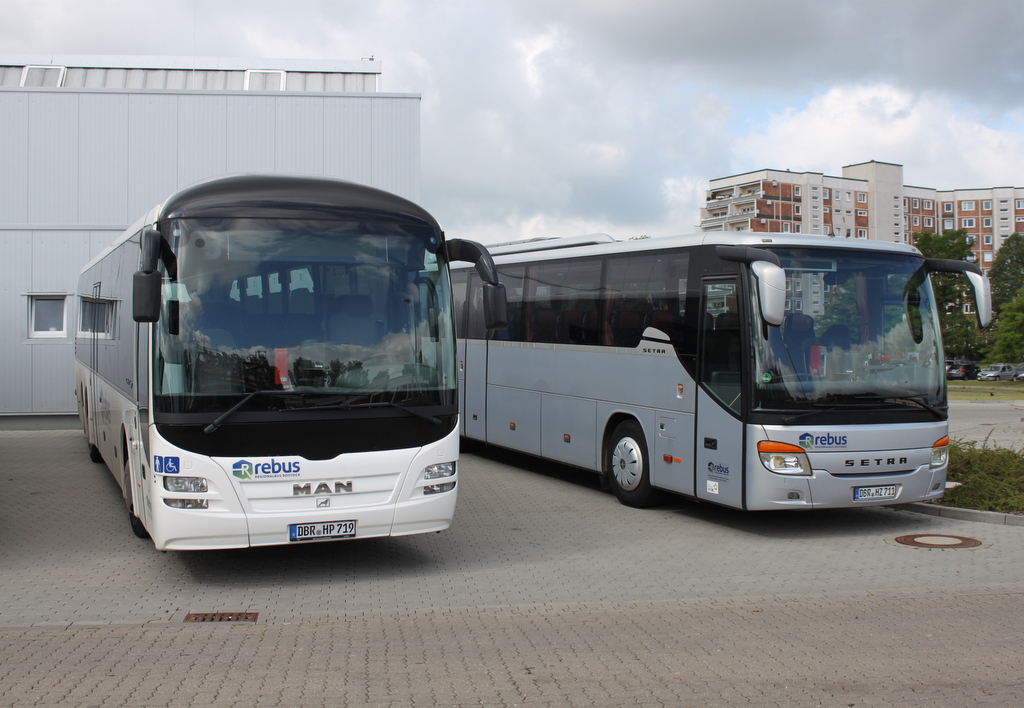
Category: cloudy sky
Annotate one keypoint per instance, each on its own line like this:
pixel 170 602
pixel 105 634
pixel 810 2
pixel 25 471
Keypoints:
pixel 559 117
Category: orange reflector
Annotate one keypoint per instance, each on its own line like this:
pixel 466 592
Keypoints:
pixel 942 442
pixel 668 459
pixel 772 446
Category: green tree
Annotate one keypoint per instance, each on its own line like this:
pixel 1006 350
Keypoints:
pixel 1006 271
pixel 960 335
pixel 1008 333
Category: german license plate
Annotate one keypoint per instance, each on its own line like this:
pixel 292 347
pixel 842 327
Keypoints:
pixel 321 530
pixel 865 493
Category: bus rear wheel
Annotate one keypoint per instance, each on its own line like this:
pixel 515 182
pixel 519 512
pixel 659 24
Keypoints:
pixel 627 467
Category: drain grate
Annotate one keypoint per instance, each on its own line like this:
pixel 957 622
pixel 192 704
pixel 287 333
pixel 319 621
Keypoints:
pixel 919 540
pixel 222 616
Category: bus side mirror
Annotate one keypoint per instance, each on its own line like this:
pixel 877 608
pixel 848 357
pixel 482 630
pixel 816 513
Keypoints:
pixel 982 296
pixel 146 296
pixel 495 306
pixel 495 300
pixel 978 280
pixel 771 291
pixel 150 250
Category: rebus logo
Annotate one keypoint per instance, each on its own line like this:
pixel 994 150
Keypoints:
pixel 809 441
pixel 243 469
pixel 717 469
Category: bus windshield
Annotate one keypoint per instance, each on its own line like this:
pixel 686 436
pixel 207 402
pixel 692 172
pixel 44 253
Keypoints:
pixel 860 329
pixel 306 313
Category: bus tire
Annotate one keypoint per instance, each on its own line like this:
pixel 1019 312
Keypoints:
pixel 627 466
pixel 94 453
pixel 138 528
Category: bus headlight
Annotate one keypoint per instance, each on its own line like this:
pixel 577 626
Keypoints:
pixel 940 452
pixel 439 471
pixel 783 458
pixel 186 484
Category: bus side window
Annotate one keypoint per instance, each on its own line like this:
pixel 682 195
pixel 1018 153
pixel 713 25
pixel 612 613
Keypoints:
pixel 512 278
pixel 460 281
pixel 475 328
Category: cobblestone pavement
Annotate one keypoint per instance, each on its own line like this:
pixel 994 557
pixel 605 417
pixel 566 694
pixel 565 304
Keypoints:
pixel 545 592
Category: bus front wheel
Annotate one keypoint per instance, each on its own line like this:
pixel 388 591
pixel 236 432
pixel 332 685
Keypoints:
pixel 627 467
pixel 138 528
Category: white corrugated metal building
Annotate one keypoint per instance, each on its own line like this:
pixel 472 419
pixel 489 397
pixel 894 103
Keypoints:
pixel 88 144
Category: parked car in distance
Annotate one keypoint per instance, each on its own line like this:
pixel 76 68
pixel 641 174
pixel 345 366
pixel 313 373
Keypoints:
pixel 949 363
pixel 1018 375
pixel 963 370
pixel 997 372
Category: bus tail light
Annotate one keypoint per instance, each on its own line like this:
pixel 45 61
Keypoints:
pixel 940 452
pixel 783 458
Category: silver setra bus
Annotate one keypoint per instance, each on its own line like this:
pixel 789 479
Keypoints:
pixel 775 371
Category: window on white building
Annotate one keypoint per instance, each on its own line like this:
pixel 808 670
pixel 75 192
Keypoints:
pixel 927 221
pixel 256 80
pixel 947 207
pixel 986 206
pixel 862 198
pixel 927 203
pixel 966 206
pixel 988 239
pixel 43 75
pixel 966 223
pixel 47 317
pixel 986 222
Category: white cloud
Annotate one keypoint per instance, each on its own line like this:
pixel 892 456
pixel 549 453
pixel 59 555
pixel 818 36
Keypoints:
pixel 940 144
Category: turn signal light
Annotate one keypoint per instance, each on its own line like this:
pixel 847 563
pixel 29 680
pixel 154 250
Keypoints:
pixel 940 452
pixel 783 458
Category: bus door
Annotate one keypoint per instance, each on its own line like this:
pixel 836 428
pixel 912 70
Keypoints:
pixel 475 365
pixel 718 446
pixel 94 354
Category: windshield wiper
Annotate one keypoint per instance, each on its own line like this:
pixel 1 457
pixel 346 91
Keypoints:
pixel 800 416
pixel 227 414
pixel 433 420
pixel 832 405
pixel 919 400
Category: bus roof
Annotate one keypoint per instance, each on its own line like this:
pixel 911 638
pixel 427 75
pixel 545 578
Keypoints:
pixel 598 244
pixel 276 196
pixel 284 196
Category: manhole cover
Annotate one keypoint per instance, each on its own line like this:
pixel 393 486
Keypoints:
pixel 221 616
pixel 920 540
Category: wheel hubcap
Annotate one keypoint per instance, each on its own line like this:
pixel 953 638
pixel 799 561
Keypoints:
pixel 627 464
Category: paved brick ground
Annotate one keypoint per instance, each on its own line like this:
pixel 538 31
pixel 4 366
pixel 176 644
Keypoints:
pixel 545 592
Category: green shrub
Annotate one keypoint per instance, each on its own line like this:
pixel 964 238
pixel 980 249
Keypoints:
pixel 991 478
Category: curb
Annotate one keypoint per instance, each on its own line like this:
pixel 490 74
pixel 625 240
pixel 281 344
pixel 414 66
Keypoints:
pixel 952 512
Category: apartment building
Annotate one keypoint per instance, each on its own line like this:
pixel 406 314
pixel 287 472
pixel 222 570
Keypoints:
pixel 868 201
